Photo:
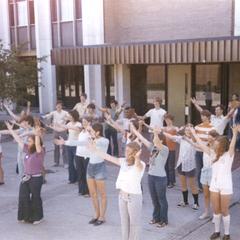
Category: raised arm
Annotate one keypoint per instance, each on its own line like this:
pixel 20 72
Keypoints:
pixel 235 131
pixel 138 162
pixel 196 104
pixel 200 145
pixel 140 136
pixel 38 140
pixel 101 154
pixel 28 108
pixel 10 112
pixel 14 134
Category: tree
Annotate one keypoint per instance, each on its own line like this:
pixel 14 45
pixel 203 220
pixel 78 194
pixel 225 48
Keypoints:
pixel 17 74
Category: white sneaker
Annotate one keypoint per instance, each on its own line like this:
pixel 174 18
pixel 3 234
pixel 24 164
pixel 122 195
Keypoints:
pixel 37 222
pixel 195 207
pixel 204 216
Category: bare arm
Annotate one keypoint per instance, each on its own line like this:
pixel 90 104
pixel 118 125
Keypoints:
pixel 10 112
pixel 15 135
pixel 235 131
pixel 196 104
pixel 140 137
pixel 200 145
pixel 138 162
pixel 37 140
pixel 28 108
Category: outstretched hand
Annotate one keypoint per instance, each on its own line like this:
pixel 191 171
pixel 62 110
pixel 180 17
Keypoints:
pixel 9 125
pixel 236 129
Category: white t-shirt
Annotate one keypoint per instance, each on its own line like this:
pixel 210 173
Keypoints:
pixel 81 108
pixel 58 117
pixel 101 144
pixel 222 172
pixel 72 134
pixel 208 159
pixel 187 154
pixel 129 178
pixel 83 138
pixel 219 123
pixel 156 117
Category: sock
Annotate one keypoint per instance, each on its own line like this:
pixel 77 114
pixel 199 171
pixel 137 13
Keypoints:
pixel 226 223
pixel 185 196
pixel 217 221
pixel 195 198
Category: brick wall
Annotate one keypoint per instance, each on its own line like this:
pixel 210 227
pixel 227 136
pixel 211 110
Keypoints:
pixel 154 20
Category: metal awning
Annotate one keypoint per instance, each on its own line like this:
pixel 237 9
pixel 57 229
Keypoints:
pixel 225 49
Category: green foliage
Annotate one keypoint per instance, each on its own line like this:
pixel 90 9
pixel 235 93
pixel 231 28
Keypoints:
pixel 17 74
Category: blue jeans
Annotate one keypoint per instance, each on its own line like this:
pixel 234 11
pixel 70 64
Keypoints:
pixel 170 168
pixel 199 166
pixel 72 173
pixel 158 188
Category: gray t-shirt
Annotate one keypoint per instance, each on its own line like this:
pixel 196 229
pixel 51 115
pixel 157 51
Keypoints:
pixel 158 161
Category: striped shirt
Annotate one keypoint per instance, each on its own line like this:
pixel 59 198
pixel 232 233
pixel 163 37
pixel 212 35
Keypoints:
pixel 202 131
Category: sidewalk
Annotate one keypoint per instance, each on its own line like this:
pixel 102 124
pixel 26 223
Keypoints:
pixel 67 214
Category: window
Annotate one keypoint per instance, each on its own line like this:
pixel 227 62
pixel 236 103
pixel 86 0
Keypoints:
pixel 11 15
pixel 53 10
pixel 31 12
pixel 22 13
pixel 208 87
pixel 78 6
pixel 66 10
pixel 155 83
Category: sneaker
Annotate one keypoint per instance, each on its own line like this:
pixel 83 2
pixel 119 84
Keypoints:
pixel 226 237
pixel 195 206
pixel 37 222
pixel 182 204
pixel 170 186
pixel 161 224
pixel 215 235
pixel 92 221
pixel 153 221
pixel 204 216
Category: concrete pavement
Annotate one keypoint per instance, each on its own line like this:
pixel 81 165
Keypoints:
pixel 67 214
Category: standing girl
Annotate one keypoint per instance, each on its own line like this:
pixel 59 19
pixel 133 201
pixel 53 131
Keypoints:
pixel 157 177
pixel 186 165
pixel 30 203
pixel 129 185
pixel 221 186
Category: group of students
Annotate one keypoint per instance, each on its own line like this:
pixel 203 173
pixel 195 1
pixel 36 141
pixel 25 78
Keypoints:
pixel 202 156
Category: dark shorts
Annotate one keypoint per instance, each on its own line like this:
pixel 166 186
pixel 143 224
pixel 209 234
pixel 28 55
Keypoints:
pixel 191 173
pixel 97 171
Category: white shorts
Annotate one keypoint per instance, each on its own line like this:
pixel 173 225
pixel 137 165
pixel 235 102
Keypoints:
pixel 222 191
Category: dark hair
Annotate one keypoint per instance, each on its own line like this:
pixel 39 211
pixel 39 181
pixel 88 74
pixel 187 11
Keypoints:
pixel 83 95
pixel 206 113
pixel 114 101
pixel 223 146
pixel 214 134
pixel 92 106
pixel 75 115
pixel 220 106
pixel 97 127
pixel 158 99
pixel 29 119
pixel 169 116
pixel 59 102
pixel 33 149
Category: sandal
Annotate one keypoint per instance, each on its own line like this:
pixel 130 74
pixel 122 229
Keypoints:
pixel 161 224
pixel 153 221
pixel 99 222
pixel 92 221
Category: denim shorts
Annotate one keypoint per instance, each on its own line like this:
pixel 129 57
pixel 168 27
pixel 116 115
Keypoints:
pixel 206 176
pixel 97 171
